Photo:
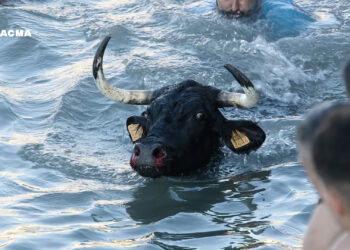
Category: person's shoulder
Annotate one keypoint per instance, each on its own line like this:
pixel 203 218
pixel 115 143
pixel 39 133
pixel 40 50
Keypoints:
pixel 342 243
pixel 283 7
pixel 271 4
pixel 323 229
pixel 285 18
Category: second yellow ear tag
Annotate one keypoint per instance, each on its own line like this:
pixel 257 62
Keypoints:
pixel 135 131
pixel 239 139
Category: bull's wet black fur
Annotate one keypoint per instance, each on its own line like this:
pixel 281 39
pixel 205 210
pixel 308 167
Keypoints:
pixel 189 139
pixel 171 121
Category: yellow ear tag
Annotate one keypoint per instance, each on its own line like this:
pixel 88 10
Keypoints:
pixel 239 139
pixel 135 131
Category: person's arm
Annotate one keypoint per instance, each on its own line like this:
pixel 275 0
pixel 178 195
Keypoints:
pixel 323 229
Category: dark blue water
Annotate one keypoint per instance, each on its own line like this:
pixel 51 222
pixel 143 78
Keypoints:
pixel 65 180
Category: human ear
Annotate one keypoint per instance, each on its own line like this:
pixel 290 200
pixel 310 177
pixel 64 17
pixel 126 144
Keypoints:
pixel 335 201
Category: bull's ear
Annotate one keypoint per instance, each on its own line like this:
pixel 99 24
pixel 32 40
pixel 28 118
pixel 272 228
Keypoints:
pixel 136 127
pixel 242 136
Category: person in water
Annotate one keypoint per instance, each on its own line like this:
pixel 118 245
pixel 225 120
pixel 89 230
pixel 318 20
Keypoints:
pixel 324 149
pixel 238 8
pixel 284 17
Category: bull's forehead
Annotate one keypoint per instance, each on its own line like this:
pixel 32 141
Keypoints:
pixel 185 99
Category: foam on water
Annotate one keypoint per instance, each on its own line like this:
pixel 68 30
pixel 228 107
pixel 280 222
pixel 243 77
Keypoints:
pixel 65 177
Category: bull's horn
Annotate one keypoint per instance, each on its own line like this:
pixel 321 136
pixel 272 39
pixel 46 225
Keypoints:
pixel 247 100
pixel 119 95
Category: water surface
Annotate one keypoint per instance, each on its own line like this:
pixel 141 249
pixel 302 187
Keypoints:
pixel 65 178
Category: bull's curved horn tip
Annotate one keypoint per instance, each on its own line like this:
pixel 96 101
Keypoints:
pixel 140 97
pixel 248 99
pixel 241 78
pixel 97 64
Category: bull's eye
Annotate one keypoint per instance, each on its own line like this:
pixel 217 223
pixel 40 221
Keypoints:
pixel 200 116
pixel 145 114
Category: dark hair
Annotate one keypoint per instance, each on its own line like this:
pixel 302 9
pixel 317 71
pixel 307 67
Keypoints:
pixel 331 145
pixel 346 75
pixel 308 127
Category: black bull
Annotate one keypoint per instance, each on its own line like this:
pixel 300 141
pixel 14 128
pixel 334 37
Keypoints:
pixel 182 127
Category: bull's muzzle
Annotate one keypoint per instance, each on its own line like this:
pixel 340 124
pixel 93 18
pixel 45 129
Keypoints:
pixel 152 155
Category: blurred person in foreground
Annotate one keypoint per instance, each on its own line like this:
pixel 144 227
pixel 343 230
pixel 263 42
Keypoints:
pixel 324 150
pixel 324 146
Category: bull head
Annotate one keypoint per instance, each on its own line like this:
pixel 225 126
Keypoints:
pixel 182 127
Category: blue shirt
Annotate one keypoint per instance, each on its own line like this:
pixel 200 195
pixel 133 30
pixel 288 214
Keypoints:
pixel 285 18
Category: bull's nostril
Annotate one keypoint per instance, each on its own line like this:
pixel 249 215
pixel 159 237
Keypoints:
pixel 159 152
pixel 137 150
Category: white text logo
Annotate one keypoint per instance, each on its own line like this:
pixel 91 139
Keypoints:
pixel 15 33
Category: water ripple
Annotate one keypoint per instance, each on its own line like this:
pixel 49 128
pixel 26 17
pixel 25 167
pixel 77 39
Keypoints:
pixel 65 177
